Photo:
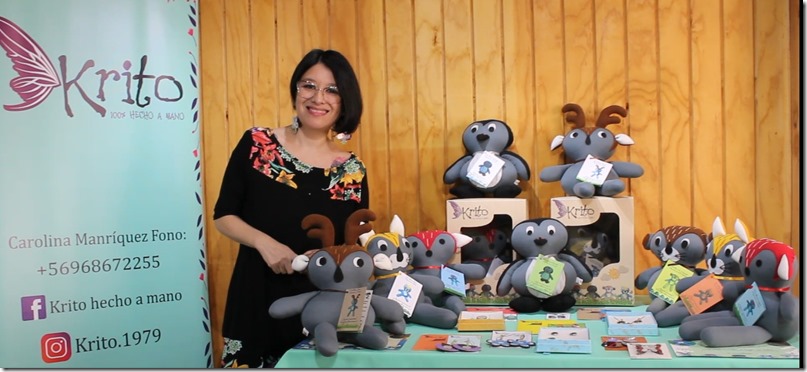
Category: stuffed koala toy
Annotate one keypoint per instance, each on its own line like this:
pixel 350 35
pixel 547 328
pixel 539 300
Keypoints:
pixel 334 270
pixel 719 265
pixel 772 266
pixel 487 168
pixel 599 142
pixel 392 256
pixel 547 237
pixel 682 245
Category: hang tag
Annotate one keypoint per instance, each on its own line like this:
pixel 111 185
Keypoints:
pixel 405 291
pixel 485 169
pixel 453 280
pixel 750 305
pixel 664 286
pixel 545 275
pixel 355 306
pixel 704 294
pixel 594 171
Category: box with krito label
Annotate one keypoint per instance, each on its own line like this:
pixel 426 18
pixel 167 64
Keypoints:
pixel 601 235
pixel 489 222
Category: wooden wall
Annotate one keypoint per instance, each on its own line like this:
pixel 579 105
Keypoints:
pixel 712 88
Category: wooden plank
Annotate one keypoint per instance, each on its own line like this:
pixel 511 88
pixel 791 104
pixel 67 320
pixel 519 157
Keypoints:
pixel 239 70
pixel 550 96
pixel 215 152
pixel 344 38
pixel 316 24
pixel 675 122
pixel 266 88
pixel 401 105
pixel 487 52
pixel 430 114
pixel 372 71
pixel 643 95
pixel 738 75
pixel 289 51
pixel 580 50
pixel 773 147
pixel 796 137
pixel 459 79
pixel 707 117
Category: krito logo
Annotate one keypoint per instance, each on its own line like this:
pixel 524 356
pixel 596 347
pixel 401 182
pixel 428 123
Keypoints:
pixel 33 307
pixel 55 347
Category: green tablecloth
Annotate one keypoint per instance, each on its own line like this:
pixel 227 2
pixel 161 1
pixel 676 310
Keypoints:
pixel 499 358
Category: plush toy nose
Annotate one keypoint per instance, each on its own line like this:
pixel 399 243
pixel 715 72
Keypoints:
pixel 482 137
pixel 594 243
pixel 338 276
pixel 668 250
pixel 540 241
pixel 588 140
pixel 713 261
pixel 399 255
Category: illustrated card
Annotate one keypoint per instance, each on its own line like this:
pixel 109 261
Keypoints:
pixel 559 315
pixel 511 335
pixel 768 350
pixel 405 291
pixel 545 275
pixel 354 311
pixel 509 314
pixel 453 280
pixel 429 342
pixel 613 343
pixel 649 351
pixel 485 169
pixel 750 305
pixel 594 171
pixel 481 315
pixel 589 313
pixel 704 294
pixel 664 286
pixel 534 325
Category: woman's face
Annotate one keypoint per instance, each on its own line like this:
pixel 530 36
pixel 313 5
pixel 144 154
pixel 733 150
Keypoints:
pixel 318 103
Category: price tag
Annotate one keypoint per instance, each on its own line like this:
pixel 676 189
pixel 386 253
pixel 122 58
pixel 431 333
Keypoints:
pixel 594 171
pixel 405 291
pixel 664 286
pixel 750 305
pixel 485 169
pixel 453 280
pixel 355 306
pixel 546 275
pixel 704 294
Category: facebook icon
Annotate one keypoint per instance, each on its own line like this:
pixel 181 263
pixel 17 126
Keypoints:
pixel 33 307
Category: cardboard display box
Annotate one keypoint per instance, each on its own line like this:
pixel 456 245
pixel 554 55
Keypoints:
pixel 601 234
pixel 489 221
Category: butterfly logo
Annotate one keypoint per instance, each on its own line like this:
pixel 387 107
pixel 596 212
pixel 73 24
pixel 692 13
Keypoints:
pixel 456 208
pixel 561 208
pixel 37 76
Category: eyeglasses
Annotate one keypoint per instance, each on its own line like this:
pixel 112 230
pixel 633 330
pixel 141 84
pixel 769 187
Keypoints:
pixel 307 89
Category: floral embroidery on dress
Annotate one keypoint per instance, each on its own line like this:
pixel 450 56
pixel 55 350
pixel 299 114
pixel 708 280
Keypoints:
pixel 231 347
pixel 345 175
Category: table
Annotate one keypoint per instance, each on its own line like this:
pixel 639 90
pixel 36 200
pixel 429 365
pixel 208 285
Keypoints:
pixel 499 358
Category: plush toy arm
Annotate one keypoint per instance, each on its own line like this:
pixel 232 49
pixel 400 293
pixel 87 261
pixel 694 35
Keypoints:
pixel 788 307
pixel 644 277
pixel 627 169
pixel 470 270
pixel 386 309
pixel 583 272
pixel 522 168
pixel 453 172
pixel 685 283
pixel 505 281
pixel 290 306
pixel 432 285
pixel 553 173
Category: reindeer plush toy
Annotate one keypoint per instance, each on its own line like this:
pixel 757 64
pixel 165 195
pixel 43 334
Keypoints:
pixel 334 270
pixel 598 142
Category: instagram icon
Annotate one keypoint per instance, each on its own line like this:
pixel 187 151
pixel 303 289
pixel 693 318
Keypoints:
pixel 33 307
pixel 55 347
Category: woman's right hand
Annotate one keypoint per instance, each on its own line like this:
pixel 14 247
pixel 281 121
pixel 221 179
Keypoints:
pixel 279 257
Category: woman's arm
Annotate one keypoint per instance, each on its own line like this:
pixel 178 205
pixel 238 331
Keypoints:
pixel 277 255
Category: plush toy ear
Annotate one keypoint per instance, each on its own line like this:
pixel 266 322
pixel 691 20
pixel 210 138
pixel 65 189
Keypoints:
pixel 742 230
pixel 397 225
pixel 557 141
pixel 300 263
pixel 717 227
pixel 737 256
pixel 624 139
pixel 644 241
pixel 461 239
pixel 363 238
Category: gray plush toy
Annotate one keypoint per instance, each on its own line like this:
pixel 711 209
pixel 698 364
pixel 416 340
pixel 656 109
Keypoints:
pixel 334 270
pixel 392 256
pixel 772 266
pixel 683 245
pixel 487 168
pixel 547 237
pixel 719 265
pixel 599 142
pixel 488 246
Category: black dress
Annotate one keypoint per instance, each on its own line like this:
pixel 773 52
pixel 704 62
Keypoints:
pixel 273 191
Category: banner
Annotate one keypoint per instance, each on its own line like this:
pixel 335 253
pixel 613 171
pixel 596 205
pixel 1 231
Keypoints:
pixel 102 260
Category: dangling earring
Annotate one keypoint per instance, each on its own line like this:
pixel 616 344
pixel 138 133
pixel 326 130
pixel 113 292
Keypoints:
pixel 295 125
pixel 343 137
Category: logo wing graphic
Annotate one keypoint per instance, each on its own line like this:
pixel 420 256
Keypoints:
pixel 457 209
pixel 561 208
pixel 37 75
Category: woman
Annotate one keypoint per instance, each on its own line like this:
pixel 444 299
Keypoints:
pixel 274 179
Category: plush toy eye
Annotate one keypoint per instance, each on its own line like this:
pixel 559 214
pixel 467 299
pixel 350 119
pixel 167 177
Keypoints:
pixel 574 134
pixel 550 230
pixel 605 238
pixel 685 243
pixel 491 127
pixel 358 262
pixel 759 263
pixel 382 245
pixel 530 230
pixel 729 249
pixel 657 241
pixel 414 244
pixel 406 244
pixel 441 241
pixel 321 261
pixel 602 134
pixel 474 128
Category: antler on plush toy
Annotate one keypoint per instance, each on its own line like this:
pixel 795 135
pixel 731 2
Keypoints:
pixel 596 141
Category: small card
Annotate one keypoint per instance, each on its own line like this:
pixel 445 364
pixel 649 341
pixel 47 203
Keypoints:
pixel 355 307
pixel 563 340
pixel 453 280
pixel 429 342
pixel 485 169
pixel 546 275
pixel 534 326
pixel 664 286
pixel 613 343
pixel 511 335
pixel 559 315
pixel 509 314
pixel 594 171
pixel 592 313
pixel 750 305
pixel 704 294
pixel 405 291
pixel 649 351
pixel 632 324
